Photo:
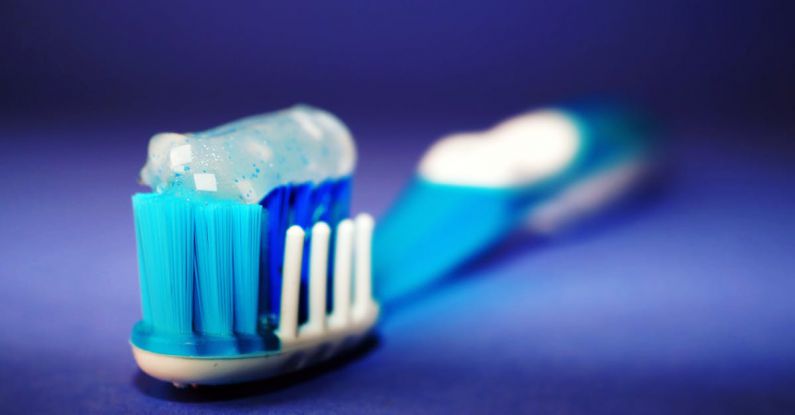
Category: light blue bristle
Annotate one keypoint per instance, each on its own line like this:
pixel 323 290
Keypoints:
pixel 164 229
pixel 247 224
pixel 199 265
pixel 214 269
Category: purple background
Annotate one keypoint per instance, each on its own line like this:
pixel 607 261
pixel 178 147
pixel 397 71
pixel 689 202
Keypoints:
pixel 682 304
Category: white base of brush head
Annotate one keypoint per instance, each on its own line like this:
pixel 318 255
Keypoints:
pixel 309 348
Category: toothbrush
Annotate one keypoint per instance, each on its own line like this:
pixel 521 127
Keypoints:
pixel 249 265
pixel 543 170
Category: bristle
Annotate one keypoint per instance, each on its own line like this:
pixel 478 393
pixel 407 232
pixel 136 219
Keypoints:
pixel 318 275
pixel 302 205
pixel 291 281
pixel 247 221
pixel 224 274
pixel 363 291
pixel 343 256
pixel 214 269
pixel 164 230
pixel 272 253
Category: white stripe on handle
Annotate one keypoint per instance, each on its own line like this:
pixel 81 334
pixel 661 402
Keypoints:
pixel 318 264
pixel 363 299
pixel 291 282
pixel 343 255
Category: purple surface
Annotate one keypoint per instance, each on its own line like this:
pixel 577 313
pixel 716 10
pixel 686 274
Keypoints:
pixel 681 305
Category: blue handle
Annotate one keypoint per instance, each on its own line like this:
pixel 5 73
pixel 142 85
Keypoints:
pixel 434 227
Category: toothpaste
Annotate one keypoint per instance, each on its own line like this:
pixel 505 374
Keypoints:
pixel 244 160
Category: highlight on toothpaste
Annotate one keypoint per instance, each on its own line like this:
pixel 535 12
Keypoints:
pixel 250 265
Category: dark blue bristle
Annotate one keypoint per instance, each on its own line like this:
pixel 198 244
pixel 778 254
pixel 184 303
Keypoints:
pixel 276 204
pixel 301 205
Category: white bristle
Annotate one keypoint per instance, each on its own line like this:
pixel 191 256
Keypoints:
pixel 291 282
pixel 343 255
pixel 352 279
pixel 363 299
pixel 318 265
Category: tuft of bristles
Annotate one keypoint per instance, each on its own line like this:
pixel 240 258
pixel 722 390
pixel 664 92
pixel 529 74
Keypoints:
pixel 164 229
pixel 246 225
pixel 215 246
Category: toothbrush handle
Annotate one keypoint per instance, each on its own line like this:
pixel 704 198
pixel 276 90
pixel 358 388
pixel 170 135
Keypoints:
pixel 433 228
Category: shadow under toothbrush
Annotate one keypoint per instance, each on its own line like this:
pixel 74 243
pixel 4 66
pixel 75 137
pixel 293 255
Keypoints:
pixel 632 207
pixel 209 393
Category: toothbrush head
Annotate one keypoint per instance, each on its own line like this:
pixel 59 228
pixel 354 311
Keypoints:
pixel 249 266
pixel 215 346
